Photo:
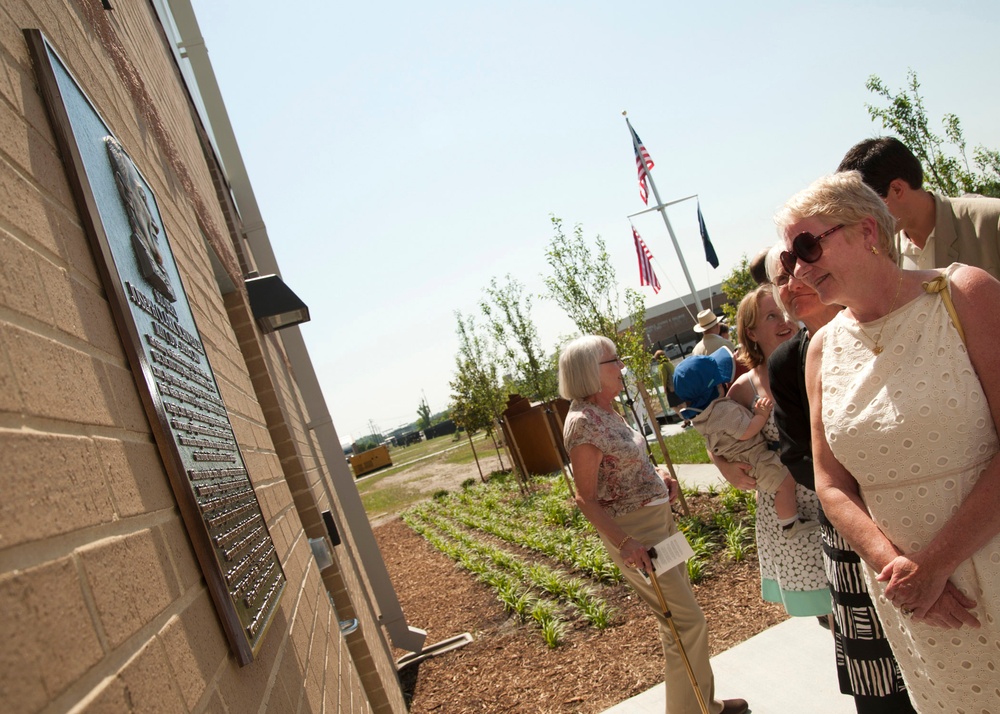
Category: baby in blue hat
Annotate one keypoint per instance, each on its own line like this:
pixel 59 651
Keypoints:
pixel 734 432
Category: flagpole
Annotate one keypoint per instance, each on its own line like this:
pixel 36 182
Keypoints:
pixel 663 212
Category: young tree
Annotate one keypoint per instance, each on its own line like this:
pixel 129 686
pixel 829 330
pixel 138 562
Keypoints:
pixel 508 314
pixel 582 282
pixel 735 285
pixel 477 400
pixel 584 285
pixel 951 175
pixel 423 414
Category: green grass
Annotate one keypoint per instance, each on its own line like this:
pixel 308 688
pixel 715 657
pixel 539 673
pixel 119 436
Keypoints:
pixel 405 454
pixel 685 448
pixel 403 459
pixel 445 448
pixel 463 455
pixel 390 499
pixel 424 448
pixel 379 499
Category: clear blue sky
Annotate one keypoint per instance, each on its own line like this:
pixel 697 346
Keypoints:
pixel 405 153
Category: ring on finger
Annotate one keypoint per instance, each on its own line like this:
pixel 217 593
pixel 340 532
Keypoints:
pixel 906 611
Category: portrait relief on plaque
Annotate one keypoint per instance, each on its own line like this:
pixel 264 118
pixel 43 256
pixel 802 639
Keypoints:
pixel 145 231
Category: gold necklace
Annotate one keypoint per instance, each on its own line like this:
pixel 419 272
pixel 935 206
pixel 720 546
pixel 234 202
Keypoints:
pixel 877 349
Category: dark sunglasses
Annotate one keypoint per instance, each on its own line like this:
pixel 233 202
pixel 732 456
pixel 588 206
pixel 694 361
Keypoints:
pixel 805 247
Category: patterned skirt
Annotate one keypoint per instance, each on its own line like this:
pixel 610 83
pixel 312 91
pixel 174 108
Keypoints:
pixel 865 664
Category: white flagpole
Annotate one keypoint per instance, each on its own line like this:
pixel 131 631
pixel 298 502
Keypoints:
pixel 663 212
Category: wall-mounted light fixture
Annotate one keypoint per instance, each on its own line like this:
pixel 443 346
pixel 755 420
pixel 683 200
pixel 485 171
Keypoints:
pixel 274 304
pixel 322 553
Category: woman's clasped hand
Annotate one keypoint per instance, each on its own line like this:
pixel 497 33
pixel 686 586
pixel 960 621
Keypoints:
pixel 924 593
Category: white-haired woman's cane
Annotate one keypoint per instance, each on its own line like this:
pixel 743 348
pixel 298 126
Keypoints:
pixel 673 629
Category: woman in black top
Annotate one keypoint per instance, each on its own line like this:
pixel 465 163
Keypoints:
pixel 866 667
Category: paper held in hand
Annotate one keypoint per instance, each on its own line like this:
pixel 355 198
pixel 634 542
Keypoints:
pixel 671 552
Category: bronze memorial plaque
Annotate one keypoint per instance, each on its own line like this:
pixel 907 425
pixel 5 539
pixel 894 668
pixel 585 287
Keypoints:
pixel 182 400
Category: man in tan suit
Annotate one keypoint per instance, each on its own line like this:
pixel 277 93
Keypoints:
pixel 933 231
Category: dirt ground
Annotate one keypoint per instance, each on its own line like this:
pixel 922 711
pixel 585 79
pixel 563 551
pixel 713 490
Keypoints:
pixel 507 667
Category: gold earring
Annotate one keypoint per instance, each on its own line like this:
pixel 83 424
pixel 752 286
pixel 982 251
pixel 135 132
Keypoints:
pixel 874 250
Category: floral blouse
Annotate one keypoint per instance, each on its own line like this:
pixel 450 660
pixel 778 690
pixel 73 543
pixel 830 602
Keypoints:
pixel 626 480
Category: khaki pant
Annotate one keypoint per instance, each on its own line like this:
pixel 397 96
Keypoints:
pixel 650 525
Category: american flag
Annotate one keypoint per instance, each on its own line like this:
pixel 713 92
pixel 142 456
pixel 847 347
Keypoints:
pixel 646 274
pixel 641 156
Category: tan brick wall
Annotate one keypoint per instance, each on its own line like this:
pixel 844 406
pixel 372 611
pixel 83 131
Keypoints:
pixel 105 607
pixel 309 488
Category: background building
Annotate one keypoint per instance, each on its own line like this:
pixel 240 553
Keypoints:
pixel 107 604
pixel 670 323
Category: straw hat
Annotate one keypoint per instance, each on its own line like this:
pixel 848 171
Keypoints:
pixel 706 321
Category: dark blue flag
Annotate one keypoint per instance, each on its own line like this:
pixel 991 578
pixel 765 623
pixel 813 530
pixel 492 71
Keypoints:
pixel 710 255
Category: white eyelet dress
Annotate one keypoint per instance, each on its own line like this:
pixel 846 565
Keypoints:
pixel 913 427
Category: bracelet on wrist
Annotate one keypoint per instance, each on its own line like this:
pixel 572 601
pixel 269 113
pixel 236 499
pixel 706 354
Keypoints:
pixel 625 540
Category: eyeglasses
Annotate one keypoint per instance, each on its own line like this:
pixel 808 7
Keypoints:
pixel 805 247
pixel 610 361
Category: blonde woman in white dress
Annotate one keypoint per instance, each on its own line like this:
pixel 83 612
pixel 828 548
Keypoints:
pixel 904 414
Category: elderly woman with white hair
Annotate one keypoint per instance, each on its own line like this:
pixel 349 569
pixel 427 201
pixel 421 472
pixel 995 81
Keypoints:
pixel 627 500
pixel 904 411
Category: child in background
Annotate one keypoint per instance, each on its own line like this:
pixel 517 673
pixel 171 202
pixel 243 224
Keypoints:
pixel 733 432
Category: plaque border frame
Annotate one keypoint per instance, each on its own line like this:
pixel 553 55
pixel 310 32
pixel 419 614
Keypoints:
pixel 76 174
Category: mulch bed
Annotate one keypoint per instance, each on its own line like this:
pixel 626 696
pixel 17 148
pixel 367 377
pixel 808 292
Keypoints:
pixel 508 667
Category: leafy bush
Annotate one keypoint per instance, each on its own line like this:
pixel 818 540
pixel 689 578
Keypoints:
pixel 553 630
pixel 696 570
pixel 738 538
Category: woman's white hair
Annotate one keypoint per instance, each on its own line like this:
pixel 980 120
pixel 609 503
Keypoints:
pixel 580 366
pixel 841 198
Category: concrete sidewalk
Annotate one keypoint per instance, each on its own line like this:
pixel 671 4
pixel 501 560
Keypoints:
pixel 699 476
pixel 787 668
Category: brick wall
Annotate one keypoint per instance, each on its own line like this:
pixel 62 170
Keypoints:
pixel 105 607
